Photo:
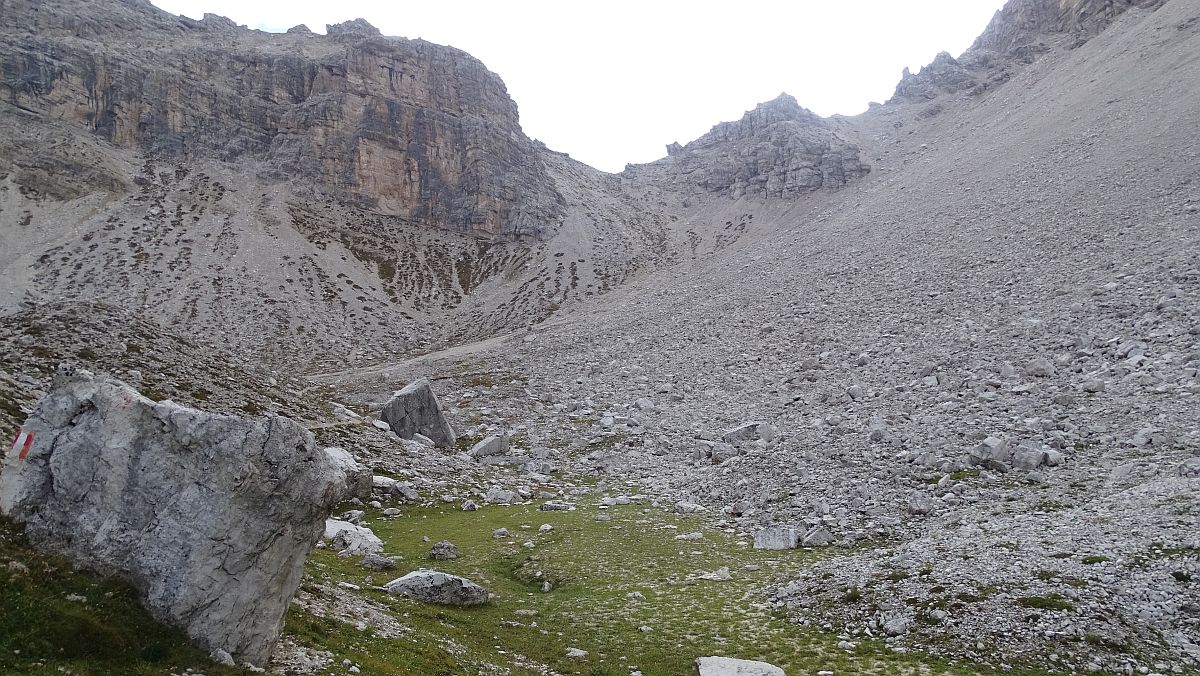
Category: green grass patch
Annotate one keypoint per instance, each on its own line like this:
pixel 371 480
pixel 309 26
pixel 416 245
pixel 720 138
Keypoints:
pixel 593 567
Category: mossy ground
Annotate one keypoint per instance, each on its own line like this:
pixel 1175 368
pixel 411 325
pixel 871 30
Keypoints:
pixel 56 620
pixel 593 566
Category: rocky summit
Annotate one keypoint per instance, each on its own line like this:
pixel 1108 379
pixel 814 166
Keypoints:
pixel 287 318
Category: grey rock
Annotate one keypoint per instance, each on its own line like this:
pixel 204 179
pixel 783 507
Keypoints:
pixel 1026 458
pixel 358 478
pixel 443 551
pixel 556 506
pixel 222 657
pixel 432 586
pixel 776 537
pixel 415 410
pixel 897 626
pixel 499 496
pixel 1040 368
pixel 749 432
pixel 209 516
pixel 684 507
pixel 493 445
pixel 349 539
pixel 728 666
pixel 920 503
pixel 817 537
pixel 377 562
pixel 991 452
pixel 1189 469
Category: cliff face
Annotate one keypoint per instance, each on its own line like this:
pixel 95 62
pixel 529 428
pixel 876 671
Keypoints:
pixel 779 149
pixel 1016 35
pixel 400 127
pixel 1021 24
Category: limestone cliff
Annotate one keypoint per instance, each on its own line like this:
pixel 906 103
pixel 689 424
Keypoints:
pixel 400 127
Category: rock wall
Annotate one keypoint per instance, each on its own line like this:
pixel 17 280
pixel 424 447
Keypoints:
pixel 209 516
pixel 401 127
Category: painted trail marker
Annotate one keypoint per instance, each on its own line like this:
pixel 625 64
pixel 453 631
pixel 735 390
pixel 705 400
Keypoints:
pixel 22 444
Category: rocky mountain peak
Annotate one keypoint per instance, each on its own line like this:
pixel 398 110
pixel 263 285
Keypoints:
pixel 778 149
pixel 943 75
pixel 356 28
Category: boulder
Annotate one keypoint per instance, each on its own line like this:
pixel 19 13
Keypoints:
pixel 359 481
pixel 728 666
pixel 819 536
pixel 1029 457
pixel 349 539
pixel 443 551
pixel 1040 368
pixel 432 586
pixel 415 410
pixel 210 517
pixel 750 432
pixel 776 537
pixel 377 562
pixel 500 496
pixel 493 445
pixel 921 503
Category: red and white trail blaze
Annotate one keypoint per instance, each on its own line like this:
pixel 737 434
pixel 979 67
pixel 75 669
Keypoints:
pixel 22 444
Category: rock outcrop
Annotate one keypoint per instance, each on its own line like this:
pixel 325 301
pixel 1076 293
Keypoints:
pixel 1019 28
pixel 415 410
pixel 944 75
pixel 400 127
pixel 1017 34
pixel 779 149
pixel 209 516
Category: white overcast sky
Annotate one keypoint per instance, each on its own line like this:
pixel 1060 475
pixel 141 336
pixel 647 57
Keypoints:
pixel 614 82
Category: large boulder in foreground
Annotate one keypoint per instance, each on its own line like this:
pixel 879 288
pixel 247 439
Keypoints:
pixel 210 517
pixel 415 410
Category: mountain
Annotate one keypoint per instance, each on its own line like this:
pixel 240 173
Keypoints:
pixel 949 346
